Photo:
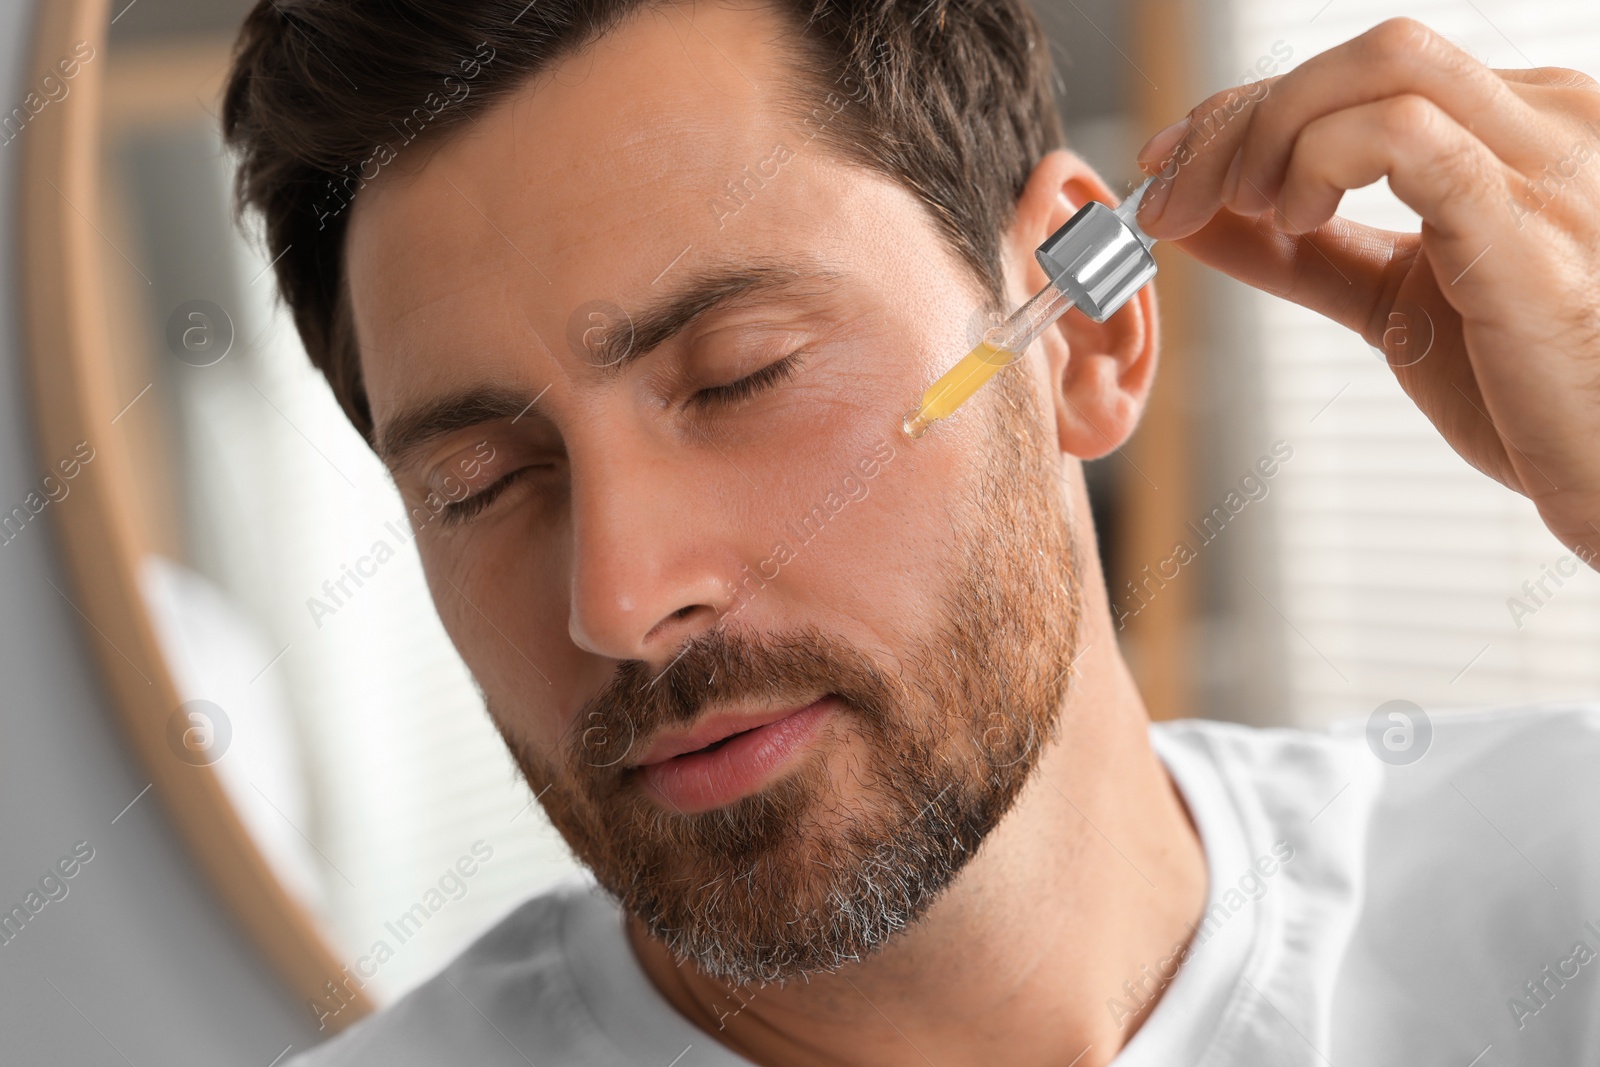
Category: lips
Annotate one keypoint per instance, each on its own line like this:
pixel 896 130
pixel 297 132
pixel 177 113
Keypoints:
pixel 730 756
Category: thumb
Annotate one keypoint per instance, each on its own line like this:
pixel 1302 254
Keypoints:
pixel 1336 270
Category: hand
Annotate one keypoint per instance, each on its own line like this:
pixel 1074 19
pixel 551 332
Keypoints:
pixel 1504 168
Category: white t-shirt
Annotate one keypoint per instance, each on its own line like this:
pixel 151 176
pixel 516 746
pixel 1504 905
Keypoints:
pixel 1443 912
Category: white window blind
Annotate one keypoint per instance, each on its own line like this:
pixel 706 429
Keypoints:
pixel 1388 568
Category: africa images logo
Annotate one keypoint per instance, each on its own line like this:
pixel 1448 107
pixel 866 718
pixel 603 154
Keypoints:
pixel 1399 732
pixel 199 733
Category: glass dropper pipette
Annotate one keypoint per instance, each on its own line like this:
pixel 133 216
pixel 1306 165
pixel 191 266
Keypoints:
pixel 1096 261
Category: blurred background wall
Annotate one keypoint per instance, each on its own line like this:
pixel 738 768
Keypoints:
pixel 1371 565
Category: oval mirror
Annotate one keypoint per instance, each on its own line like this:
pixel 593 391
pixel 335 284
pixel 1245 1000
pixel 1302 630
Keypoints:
pixel 243 558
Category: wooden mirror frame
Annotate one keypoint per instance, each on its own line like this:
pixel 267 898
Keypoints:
pixel 72 353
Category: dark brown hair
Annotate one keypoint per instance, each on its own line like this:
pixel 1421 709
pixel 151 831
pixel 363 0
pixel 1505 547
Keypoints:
pixel 951 98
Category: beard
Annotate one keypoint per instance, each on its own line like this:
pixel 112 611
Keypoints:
pixel 799 878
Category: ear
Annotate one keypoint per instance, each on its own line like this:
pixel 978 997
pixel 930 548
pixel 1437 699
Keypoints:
pixel 1100 373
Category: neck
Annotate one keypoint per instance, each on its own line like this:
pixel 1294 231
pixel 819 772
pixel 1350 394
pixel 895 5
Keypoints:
pixel 1092 880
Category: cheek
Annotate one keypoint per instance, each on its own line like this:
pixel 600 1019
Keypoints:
pixel 846 549
pixel 879 562
pixel 505 610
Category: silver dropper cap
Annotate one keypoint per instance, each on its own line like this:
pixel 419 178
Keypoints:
pixel 1100 257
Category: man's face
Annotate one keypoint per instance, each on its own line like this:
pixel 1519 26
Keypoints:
pixel 773 670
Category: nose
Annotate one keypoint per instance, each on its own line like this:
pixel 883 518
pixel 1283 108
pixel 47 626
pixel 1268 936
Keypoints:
pixel 649 569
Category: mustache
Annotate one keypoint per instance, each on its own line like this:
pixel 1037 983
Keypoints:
pixel 719 667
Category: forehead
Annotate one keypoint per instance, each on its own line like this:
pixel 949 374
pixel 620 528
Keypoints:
pixel 672 142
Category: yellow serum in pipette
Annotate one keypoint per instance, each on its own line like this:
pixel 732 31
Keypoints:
pixel 957 386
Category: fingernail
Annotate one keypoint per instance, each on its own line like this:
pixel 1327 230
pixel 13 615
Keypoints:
pixel 1159 147
pixel 1230 184
pixel 1155 201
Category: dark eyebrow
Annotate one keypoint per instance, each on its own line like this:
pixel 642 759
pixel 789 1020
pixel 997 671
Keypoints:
pixel 651 327
pixel 415 427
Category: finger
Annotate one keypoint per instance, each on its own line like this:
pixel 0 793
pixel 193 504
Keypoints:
pixel 1445 174
pixel 1347 272
pixel 1451 178
pixel 1564 99
pixel 1548 78
pixel 1439 170
pixel 1198 164
pixel 1340 270
pixel 1205 160
pixel 1395 58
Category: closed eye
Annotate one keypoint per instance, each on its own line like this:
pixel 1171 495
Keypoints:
pixel 748 386
pixel 459 511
